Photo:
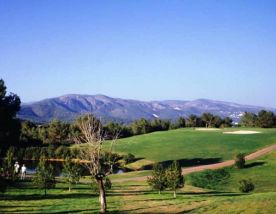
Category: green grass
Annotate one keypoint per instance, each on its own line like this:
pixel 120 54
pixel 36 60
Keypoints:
pixel 261 172
pixel 187 144
pixel 136 196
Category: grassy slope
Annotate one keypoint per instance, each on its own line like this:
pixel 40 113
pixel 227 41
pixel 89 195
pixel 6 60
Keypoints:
pixel 188 144
pixel 262 172
pixel 136 197
pixel 263 200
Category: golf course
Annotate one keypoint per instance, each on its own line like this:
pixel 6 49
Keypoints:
pixel 192 148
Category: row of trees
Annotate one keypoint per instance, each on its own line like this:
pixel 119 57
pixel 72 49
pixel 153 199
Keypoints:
pixel 264 119
pixel 166 178
pixel 57 132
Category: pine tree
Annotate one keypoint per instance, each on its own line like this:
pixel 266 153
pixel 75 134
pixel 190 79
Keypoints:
pixel 158 180
pixel 71 172
pixel 174 177
pixel 44 177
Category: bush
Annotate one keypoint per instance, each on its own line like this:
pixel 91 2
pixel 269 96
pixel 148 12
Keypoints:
pixel 210 178
pixel 246 186
pixel 129 158
pixel 240 161
pixel 107 185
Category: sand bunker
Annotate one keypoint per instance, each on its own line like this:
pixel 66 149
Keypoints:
pixel 242 132
pixel 207 129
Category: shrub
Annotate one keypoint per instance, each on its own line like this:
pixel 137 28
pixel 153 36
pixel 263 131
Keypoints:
pixel 246 186
pixel 129 158
pixel 210 178
pixel 107 185
pixel 240 161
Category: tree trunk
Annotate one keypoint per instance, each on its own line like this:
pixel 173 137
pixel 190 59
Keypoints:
pixel 174 193
pixel 69 187
pixel 102 198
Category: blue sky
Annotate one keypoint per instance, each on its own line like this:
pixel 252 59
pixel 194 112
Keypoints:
pixel 146 50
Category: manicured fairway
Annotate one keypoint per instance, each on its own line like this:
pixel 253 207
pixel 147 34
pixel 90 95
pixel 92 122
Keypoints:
pixel 188 144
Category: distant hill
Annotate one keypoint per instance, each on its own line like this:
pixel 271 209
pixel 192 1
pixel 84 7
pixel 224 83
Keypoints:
pixel 68 107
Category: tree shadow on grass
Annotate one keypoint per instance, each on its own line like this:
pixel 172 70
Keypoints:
pixel 145 208
pixel 48 196
pixel 187 162
pixel 250 165
pixel 211 194
pixel 53 212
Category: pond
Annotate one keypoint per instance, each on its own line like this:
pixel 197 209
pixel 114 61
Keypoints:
pixel 58 165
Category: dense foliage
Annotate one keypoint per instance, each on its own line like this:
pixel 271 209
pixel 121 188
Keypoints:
pixel 264 119
pixel 9 125
pixel 210 178
pixel 246 186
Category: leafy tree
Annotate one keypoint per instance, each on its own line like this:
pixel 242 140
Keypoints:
pixel 174 177
pixel 246 186
pixel 249 119
pixel 240 161
pixel 265 119
pixel 158 179
pixel 193 121
pixel 208 119
pixel 111 129
pixel 9 125
pixel 44 176
pixel 8 165
pixel 159 125
pixel 29 133
pixel 226 122
pixel 141 126
pixel 181 123
pixel 217 121
pixel 57 132
pixel 71 172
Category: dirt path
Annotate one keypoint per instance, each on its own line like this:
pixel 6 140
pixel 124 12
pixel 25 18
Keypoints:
pixel 188 170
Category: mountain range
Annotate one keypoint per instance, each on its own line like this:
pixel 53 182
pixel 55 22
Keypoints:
pixel 68 107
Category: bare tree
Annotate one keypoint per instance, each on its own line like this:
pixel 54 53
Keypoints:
pixel 91 135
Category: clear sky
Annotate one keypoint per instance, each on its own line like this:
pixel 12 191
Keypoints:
pixel 146 50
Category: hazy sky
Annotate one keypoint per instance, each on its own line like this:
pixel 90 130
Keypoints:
pixel 147 50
